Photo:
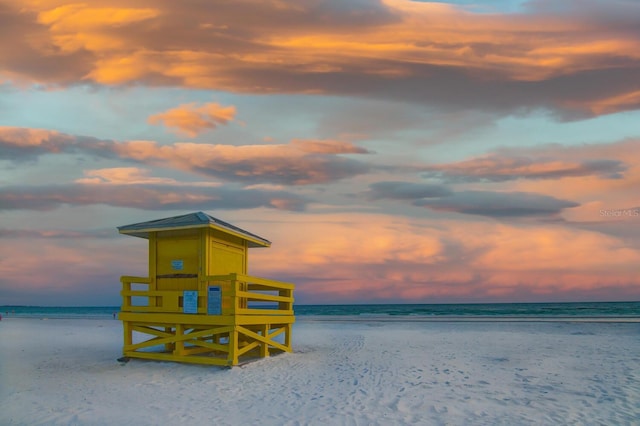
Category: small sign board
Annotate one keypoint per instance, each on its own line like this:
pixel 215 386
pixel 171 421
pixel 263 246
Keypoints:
pixel 177 265
pixel 190 302
pixel 214 300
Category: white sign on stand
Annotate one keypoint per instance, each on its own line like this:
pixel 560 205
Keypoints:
pixel 190 302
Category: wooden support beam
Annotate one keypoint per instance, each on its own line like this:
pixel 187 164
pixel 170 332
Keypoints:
pixel 260 338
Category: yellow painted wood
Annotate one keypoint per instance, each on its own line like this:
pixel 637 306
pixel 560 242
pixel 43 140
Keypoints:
pixel 264 348
pixel 260 338
pixel 287 336
pixel 177 337
pixel 152 267
pixel 126 327
pixel 262 297
pixel 177 344
pixel 170 357
pixel 152 331
pixel 248 348
pixel 232 359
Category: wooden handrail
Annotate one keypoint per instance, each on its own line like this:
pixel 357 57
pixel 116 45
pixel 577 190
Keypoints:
pixel 241 290
pixel 136 280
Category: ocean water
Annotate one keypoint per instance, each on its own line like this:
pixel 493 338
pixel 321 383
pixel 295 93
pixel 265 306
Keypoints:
pixel 603 310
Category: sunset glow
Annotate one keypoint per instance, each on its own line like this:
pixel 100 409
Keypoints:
pixel 392 150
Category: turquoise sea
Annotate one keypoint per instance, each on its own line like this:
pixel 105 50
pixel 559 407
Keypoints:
pixel 469 311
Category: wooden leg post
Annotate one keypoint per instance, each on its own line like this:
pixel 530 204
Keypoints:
pixel 287 336
pixel 179 344
pixel 233 347
pixel 264 346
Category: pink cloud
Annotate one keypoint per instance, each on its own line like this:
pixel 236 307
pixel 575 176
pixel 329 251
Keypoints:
pixel 352 257
pixel 192 119
pixel 355 258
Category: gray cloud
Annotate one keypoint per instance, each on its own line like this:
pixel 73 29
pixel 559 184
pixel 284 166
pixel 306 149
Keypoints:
pixel 498 204
pixel 147 197
pixel 55 234
pixel 311 169
pixel 396 190
pixel 498 168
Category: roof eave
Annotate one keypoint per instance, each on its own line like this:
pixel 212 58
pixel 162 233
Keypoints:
pixel 144 233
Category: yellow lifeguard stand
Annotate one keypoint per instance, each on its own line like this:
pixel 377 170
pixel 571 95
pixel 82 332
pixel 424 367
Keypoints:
pixel 198 304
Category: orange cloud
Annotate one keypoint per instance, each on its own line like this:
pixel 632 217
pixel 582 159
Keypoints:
pixel 585 61
pixel 327 147
pixel 193 119
pixel 78 26
pixel 26 137
pixel 607 105
pixel 132 176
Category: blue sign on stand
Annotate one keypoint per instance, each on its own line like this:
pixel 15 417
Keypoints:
pixel 214 300
pixel 190 302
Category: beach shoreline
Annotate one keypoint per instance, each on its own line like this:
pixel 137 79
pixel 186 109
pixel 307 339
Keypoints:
pixel 342 372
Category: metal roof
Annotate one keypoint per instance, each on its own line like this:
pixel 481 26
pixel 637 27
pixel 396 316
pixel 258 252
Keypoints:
pixel 191 220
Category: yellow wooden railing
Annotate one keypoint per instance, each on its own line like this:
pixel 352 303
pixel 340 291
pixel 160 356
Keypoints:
pixel 240 295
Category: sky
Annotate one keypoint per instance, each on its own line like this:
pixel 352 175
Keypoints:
pixel 392 151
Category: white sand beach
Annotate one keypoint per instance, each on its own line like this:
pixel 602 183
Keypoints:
pixel 64 372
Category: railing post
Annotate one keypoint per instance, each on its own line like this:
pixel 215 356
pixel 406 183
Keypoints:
pixel 285 306
pixel 128 335
pixel 126 294
pixel 233 284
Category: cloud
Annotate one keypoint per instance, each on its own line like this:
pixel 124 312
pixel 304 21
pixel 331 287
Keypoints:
pixel 61 234
pixel 74 269
pixel 279 164
pixel 499 168
pixel 132 176
pixel 396 190
pixel 20 144
pixel 505 204
pixel 579 61
pixel 23 144
pixel 30 54
pixel 301 162
pixel 327 147
pixel 498 204
pixel 145 196
pixel 598 176
pixel 192 119
pixel 357 258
